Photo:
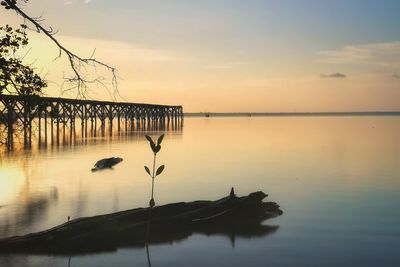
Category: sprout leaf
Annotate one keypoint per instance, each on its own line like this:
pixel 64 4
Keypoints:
pixel 160 139
pixel 160 170
pixel 149 139
pixel 147 170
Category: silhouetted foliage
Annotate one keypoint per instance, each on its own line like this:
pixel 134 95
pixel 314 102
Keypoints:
pixel 79 80
pixel 15 77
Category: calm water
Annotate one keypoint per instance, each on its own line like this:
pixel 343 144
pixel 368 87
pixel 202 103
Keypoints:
pixel 336 178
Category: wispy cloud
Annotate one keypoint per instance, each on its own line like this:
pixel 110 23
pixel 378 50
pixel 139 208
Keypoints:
pixel 380 54
pixel 120 50
pixel 228 65
pixel 336 75
pixel 127 54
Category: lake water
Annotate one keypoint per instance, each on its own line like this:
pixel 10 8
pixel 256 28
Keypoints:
pixel 337 180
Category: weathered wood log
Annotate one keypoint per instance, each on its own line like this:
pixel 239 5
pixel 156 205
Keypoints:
pixel 231 216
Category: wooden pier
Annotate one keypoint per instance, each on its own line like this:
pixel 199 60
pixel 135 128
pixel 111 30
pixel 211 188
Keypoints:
pixel 57 115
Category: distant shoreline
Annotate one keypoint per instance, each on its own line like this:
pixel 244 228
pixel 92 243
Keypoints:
pixel 290 114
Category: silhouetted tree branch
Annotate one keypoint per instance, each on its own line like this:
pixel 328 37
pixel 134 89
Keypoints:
pixel 78 64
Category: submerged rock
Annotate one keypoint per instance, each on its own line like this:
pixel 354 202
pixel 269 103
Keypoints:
pixel 230 216
pixel 106 163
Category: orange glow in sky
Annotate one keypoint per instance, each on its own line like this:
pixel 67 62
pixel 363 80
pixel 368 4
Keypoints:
pixel 238 57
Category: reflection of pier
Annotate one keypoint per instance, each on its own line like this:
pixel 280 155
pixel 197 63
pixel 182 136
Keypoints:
pixel 52 118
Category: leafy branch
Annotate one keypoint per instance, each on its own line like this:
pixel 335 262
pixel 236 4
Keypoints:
pixel 15 77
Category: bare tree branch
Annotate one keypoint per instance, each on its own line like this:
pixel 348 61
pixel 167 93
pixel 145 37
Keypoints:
pixel 78 64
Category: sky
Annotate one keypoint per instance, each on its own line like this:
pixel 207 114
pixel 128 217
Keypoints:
pixel 230 55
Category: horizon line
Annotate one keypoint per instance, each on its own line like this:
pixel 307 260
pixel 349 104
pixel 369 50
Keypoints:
pixel 310 113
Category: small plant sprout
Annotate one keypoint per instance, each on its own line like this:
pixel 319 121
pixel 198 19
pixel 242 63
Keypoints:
pixel 155 147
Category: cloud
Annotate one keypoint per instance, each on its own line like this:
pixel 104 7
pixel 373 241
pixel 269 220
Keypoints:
pixel 337 75
pixel 378 54
pixel 228 65
pixel 118 50
pixel 396 76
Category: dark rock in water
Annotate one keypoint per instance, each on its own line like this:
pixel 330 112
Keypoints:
pixel 230 216
pixel 106 163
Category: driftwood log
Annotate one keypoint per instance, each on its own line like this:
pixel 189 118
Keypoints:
pixel 230 216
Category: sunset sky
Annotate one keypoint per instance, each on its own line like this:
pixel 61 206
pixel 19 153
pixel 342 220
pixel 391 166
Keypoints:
pixel 231 55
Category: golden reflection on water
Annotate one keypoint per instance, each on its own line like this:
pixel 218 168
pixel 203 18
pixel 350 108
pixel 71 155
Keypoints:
pixel 287 157
pixel 11 181
pixel 359 146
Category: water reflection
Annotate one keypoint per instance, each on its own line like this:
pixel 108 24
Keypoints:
pixel 69 134
pixel 29 207
pixel 31 188
pixel 328 174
